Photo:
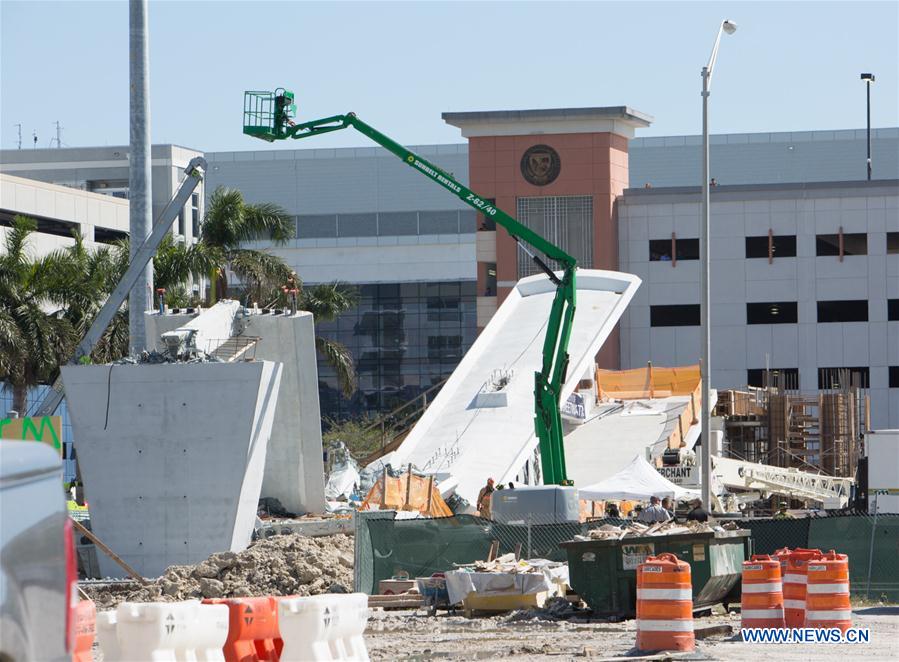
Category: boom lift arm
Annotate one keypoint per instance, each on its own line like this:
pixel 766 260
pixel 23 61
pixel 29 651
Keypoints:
pixel 268 116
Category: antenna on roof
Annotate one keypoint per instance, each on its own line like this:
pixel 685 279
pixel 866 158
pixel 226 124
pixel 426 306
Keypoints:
pixel 19 142
pixel 58 136
pixel 34 135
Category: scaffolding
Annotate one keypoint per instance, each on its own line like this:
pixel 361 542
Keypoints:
pixel 780 426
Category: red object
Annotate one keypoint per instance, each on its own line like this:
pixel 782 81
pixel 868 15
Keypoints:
pixel 253 634
pixel 664 605
pixel 85 619
pixel 71 583
pixel 793 566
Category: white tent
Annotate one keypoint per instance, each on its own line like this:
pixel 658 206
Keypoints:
pixel 637 481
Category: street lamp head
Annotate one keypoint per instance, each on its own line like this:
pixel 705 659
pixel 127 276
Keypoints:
pixel 729 27
pixel 868 77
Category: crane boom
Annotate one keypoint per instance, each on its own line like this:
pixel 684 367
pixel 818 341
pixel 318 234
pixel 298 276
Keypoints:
pixel 268 116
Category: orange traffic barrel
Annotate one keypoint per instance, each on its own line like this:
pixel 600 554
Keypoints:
pixel 253 634
pixel 827 593
pixel 85 619
pixel 664 604
pixel 794 580
pixel 762 604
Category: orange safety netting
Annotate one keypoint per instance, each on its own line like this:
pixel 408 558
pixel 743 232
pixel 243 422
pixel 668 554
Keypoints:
pixel 648 382
pixel 407 492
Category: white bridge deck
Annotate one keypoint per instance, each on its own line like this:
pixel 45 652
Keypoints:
pixel 465 444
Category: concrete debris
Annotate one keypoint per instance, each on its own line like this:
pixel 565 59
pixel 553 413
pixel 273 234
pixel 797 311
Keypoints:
pixel 637 530
pixel 508 565
pixel 154 357
pixel 281 565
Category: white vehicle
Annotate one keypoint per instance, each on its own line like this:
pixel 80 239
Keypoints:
pixel 38 571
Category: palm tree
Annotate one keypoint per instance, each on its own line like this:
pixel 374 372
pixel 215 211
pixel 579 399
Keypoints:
pixel 35 337
pixel 326 302
pixel 228 222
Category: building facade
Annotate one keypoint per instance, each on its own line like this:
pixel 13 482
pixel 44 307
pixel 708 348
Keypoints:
pixel 430 271
pixel 804 281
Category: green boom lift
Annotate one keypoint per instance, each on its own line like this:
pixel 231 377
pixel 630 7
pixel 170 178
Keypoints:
pixel 269 116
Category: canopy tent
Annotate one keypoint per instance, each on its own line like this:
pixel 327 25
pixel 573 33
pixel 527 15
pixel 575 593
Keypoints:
pixel 638 481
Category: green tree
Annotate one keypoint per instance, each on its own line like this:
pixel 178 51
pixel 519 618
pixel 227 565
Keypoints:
pixel 230 221
pixel 360 437
pixel 35 337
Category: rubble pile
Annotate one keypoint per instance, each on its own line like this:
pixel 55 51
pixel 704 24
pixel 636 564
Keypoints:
pixel 636 530
pixel 280 565
pixel 507 564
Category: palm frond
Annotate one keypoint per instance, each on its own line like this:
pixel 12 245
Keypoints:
pixel 328 300
pixel 338 357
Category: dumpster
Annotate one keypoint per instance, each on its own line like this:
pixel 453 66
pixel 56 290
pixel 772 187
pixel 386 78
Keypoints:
pixel 603 572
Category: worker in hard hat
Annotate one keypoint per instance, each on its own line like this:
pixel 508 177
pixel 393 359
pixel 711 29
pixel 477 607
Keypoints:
pixel 782 512
pixel 484 495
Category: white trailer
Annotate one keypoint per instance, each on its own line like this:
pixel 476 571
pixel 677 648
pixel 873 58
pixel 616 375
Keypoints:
pixel 882 451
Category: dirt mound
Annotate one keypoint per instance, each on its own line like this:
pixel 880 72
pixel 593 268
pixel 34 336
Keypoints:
pixel 280 565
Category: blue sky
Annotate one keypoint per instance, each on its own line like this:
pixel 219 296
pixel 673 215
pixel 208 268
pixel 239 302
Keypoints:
pixel 791 66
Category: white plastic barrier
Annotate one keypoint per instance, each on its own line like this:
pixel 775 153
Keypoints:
pixel 106 637
pixel 323 627
pixel 166 632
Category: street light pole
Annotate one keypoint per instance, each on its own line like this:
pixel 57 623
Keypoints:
pixel 869 78
pixel 705 256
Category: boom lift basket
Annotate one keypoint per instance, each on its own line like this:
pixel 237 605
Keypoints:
pixel 259 115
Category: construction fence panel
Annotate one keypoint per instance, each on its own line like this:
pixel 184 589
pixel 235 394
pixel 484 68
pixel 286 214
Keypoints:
pixel 388 547
pixel 769 535
pixel 872 543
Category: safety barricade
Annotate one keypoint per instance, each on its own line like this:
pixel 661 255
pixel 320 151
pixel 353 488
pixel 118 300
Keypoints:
pixel 107 638
pixel 169 632
pixel 85 628
pixel 793 567
pixel 827 599
pixel 323 627
pixel 664 604
pixel 762 604
pixel 252 629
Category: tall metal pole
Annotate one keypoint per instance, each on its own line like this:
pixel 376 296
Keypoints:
pixel 868 85
pixel 705 253
pixel 728 27
pixel 139 185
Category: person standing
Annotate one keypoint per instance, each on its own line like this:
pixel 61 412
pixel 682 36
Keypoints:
pixel 668 505
pixel 782 512
pixel 484 495
pixel 655 513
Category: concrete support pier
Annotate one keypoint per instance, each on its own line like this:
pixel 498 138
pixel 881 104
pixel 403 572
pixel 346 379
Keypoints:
pixel 172 456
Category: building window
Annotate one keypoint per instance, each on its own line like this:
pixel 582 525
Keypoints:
pixel 195 214
pixel 894 376
pixel 566 221
pixel 660 249
pixel 782 245
pixel 854 243
pixel 843 311
pixel 683 315
pixel 181 222
pixel 841 378
pixel 786 378
pixel 773 312
pixel 893 310
pixel 892 243
pixel 490 279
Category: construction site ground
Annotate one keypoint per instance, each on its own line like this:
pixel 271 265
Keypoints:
pixel 410 635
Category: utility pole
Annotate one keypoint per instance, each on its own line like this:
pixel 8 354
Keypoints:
pixel 139 187
pixel 869 78
pixel 19 143
pixel 58 135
